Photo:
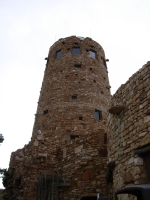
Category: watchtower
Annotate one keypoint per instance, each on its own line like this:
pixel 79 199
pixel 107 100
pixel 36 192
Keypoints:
pixel 75 89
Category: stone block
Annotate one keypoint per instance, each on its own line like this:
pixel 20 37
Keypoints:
pixel 130 161
pixel 138 161
pixel 142 134
pixel 36 143
pixel 147 119
pixel 78 148
pixel 137 171
pixel 19 158
pixel 42 155
pixel 39 137
pixel 83 163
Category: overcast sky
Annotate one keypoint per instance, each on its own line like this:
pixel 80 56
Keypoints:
pixel 29 27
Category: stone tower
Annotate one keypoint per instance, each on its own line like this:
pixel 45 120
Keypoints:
pixel 75 89
pixel 68 146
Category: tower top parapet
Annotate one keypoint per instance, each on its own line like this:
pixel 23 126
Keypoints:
pixel 78 39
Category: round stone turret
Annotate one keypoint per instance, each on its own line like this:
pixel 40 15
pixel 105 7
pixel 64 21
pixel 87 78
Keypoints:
pixel 75 89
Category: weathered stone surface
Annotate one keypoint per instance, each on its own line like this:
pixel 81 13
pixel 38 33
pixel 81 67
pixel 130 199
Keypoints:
pixel 42 155
pixel 27 162
pixel 21 154
pixel 78 148
pixel 130 161
pixel 128 178
pixel 36 143
pixel 19 158
pixel 39 137
pixel 129 131
pixel 147 119
pixel 83 163
pixel 138 161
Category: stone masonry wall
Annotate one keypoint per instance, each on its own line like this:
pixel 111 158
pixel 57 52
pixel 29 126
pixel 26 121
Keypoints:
pixel 129 131
pixel 84 166
pixel 80 162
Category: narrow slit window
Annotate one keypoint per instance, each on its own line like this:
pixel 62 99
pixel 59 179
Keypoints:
pixel 77 65
pixel 98 114
pixel 58 54
pixel 76 51
pixel 80 118
pixel 74 97
pixel 73 137
pixel 92 54
pixel 18 182
pixel 105 138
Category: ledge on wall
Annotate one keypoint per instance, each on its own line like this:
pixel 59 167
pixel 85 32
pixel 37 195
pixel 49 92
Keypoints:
pixel 142 150
pixel 116 109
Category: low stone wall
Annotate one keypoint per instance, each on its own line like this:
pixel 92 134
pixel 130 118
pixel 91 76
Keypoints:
pixel 81 162
pixel 129 131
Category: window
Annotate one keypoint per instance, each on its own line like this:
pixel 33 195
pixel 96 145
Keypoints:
pixel 45 112
pixel 80 118
pixel 58 54
pixel 76 50
pixel 77 65
pixel 98 114
pixel 39 132
pixel 92 54
pixel 74 97
pixel 18 182
pixel 73 137
pixel 105 138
